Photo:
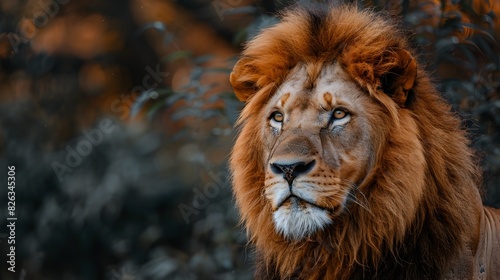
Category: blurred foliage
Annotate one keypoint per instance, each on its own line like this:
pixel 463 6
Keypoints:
pixel 463 55
pixel 159 70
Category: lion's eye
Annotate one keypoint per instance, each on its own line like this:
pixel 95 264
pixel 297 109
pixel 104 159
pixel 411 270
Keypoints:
pixel 276 120
pixel 277 117
pixel 340 117
pixel 339 114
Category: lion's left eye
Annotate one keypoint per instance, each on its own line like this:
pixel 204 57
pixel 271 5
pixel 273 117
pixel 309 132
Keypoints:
pixel 340 117
pixel 339 114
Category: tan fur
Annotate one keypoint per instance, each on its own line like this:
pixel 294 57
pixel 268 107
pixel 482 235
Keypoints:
pixel 418 213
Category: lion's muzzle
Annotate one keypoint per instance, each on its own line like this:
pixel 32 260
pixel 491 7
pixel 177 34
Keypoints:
pixel 291 171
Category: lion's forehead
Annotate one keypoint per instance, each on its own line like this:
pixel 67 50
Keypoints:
pixel 325 89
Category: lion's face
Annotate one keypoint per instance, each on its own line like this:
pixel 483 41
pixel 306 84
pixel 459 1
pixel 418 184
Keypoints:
pixel 346 154
pixel 318 149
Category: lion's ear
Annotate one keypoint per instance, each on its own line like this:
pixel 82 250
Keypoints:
pixel 400 78
pixel 243 78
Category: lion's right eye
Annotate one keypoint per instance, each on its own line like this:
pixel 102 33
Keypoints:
pixel 276 119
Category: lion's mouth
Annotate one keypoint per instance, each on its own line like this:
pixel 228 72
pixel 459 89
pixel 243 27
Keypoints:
pixel 298 202
pixel 296 218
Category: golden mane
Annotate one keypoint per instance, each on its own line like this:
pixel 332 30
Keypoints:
pixel 385 242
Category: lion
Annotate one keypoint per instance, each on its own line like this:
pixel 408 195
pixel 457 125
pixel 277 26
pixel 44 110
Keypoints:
pixel 348 163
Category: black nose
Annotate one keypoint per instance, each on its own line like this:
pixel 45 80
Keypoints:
pixel 291 171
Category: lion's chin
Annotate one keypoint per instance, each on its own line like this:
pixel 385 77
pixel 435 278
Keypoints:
pixel 296 219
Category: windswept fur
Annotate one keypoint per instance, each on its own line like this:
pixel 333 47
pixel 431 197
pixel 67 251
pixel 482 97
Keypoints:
pixel 401 234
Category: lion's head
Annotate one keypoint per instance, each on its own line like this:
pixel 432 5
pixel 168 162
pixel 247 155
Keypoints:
pixel 347 159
